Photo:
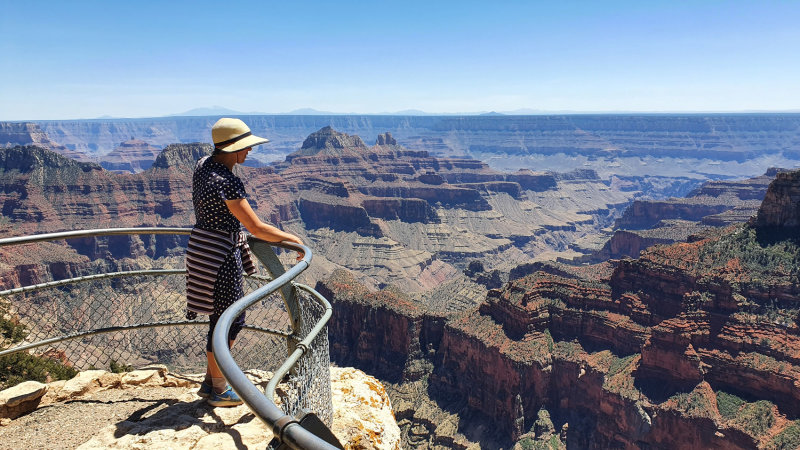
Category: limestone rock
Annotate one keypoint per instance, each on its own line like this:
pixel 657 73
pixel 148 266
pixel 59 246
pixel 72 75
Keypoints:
pixel 29 133
pixel 137 377
pixel 181 155
pixel 181 420
pixel 84 383
pixel 362 412
pixel 134 155
pixel 330 142
pixel 20 399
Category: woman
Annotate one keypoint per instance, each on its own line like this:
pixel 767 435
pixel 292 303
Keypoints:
pixel 218 254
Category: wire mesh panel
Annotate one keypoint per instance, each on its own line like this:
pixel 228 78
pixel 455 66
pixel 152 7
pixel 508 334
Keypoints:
pixel 143 299
pixel 309 386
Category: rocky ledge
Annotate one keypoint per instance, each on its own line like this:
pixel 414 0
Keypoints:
pixel 151 408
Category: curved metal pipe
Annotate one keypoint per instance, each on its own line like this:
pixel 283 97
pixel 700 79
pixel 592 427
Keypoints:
pixel 99 276
pixel 284 426
pixel 88 233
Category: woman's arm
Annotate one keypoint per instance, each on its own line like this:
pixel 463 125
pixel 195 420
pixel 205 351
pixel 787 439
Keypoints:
pixel 241 209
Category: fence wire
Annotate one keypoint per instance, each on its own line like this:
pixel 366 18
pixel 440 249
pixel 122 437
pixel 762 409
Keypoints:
pixel 308 386
pixel 126 301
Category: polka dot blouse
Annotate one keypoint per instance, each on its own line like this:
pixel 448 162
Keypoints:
pixel 212 184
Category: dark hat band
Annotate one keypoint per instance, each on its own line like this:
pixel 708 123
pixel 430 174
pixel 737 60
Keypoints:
pixel 231 141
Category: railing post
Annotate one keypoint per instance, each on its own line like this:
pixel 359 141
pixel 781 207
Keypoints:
pixel 266 255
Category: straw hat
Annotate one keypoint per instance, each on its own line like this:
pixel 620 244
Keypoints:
pixel 232 135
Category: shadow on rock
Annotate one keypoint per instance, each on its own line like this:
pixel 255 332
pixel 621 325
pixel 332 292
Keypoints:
pixel 171 414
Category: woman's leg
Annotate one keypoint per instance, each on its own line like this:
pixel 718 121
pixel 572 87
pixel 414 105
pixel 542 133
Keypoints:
pixel 214 376
pixel 227 290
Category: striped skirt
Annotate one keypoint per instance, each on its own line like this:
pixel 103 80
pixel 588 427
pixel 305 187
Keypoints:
pixel 206 252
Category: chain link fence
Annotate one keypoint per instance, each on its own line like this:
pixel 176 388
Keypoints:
pixel 308 386
pixel 134 319
pixel 127 301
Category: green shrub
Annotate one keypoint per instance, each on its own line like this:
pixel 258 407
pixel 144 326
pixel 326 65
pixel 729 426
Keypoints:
pixel 115 367
pixel 22 366
pixel 551 444
pixel 550 342
pixel 694 403
pixel 526 443
pixel 756 418
pixel 11 330
pixel 618 364
pixel 728 404
pixel 788 439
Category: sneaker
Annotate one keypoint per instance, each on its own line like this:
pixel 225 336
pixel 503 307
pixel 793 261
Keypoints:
pixel 227 398
pixel 205 390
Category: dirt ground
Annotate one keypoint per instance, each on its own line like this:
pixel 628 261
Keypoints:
pixel 69 424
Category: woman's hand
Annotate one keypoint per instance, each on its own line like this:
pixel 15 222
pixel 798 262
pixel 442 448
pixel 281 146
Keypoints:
pixel 240 208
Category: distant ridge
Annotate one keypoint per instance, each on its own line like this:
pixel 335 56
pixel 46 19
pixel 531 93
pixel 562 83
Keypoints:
pixel 214 111
pixel 222 111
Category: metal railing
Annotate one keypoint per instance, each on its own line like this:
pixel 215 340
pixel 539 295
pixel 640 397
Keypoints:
pixel 139 314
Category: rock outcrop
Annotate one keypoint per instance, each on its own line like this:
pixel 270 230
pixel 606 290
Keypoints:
pixel 712 198
pixel 134 155
pixel 14 134
pixel 21 399
pixel 713 204
pixel 153 408
pixel 781 206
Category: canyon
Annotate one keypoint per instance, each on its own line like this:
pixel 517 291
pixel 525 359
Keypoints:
pixel 647 222
pixel 396 216
pixel 449 277
pixel 692 345
pixel 715 145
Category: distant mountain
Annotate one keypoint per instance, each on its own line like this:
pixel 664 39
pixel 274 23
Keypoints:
pixel 311 112
pixel 525 112
pixel 213 111
pixel 407 112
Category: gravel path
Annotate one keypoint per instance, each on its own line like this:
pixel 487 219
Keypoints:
pixel 69 424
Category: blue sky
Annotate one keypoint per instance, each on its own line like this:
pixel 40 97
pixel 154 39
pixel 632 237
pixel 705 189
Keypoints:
pixel 84 59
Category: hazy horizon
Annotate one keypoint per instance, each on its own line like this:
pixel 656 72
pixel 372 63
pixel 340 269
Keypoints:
pixel 91 59
pixel 305 112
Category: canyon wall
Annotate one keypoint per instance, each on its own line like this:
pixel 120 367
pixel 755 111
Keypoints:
pixel 394 215
pixel 693 345
pixel 718 136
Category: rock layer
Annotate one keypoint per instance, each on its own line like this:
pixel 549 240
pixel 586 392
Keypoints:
pixel 134 155
pixel 693 345
pixel 396 215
